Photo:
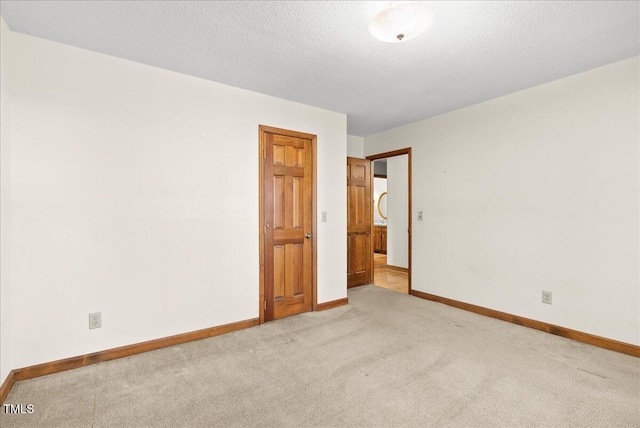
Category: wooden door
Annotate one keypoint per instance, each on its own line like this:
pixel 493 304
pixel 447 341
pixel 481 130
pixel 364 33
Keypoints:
pixel 359 222
pixel 288 222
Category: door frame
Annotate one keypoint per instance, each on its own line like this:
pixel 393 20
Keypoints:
pixel 406 151
pixel 262 131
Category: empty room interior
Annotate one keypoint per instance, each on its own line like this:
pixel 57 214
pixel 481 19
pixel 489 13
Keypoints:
pixel 174 212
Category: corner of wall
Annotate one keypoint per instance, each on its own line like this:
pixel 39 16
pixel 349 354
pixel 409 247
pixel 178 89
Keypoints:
pixel 5 200
pixel 536 190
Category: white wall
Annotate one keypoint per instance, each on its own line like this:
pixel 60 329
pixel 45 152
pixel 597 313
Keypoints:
pixel 5 201
pixel 537 190
pixel 379 187
pixel 397 208
pixel 135 193
pixel 355 146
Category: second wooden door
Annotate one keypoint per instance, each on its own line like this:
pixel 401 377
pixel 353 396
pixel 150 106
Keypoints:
pixel 359 222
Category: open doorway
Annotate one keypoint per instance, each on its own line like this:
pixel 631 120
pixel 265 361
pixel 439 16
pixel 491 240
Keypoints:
pixel 391 231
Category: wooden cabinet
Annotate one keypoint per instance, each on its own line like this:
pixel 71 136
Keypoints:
pixel 380 239
pixel 375 240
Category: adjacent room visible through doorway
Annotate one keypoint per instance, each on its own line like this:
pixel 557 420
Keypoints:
pixel 386 277
pixel 391 232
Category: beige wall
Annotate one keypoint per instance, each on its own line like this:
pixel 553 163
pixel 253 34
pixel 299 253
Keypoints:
pixel 537 190
pixel 397 209
pixel 5 201
pixel 135 193
pixel 355 146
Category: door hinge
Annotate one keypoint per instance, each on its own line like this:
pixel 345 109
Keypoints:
pixel 265 305
pixel 264 154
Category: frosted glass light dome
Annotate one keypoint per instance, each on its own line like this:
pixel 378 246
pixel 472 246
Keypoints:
pixel 401 21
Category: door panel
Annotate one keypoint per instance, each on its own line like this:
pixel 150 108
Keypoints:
pixel 279 267
pixel 288 217
pixel 359 222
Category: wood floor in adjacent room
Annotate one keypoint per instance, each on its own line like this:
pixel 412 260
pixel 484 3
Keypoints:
pixel 384 360
pixel 389 278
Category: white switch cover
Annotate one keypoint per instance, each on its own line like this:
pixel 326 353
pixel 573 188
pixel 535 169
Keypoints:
pixel 324 216
pixel 420 216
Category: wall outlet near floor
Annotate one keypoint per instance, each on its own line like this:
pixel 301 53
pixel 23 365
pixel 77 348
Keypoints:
pixel 547 297
pixel 420 216
pixel 95 320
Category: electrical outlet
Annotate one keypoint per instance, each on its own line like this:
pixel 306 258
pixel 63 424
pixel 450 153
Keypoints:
pixel 547 297
pixel 420 216
pixel 95 320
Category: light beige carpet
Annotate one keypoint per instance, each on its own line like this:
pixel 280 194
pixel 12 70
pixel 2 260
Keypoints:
pixel 386 359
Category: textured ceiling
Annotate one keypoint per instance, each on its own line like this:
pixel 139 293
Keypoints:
pixel 321 54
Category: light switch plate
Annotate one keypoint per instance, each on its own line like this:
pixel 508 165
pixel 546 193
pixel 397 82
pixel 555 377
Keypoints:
pixel 420 216
pixel 324 216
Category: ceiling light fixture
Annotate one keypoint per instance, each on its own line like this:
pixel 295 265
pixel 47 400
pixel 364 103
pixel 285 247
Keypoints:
pixel 401 21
